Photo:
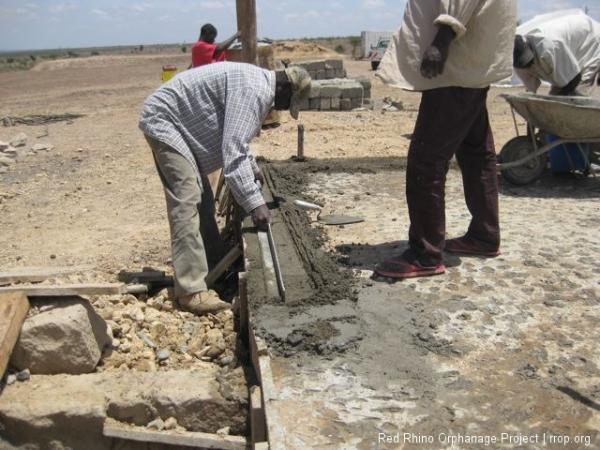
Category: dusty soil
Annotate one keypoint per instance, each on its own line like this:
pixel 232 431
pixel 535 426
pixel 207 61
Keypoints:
pixel 494 346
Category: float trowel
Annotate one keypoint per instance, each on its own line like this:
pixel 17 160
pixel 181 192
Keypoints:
pixel 330 219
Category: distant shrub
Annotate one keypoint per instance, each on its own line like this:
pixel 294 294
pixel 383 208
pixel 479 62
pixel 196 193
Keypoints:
pixel 95 53
pixel 10 60
pixel 339 49
pixel 183 49
pixel 32 57
pixel 72 54
pixel 355 42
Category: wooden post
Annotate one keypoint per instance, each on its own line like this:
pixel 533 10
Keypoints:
pixel 246 20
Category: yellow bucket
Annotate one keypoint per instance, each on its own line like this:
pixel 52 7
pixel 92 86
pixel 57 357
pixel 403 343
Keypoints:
pixel 168 72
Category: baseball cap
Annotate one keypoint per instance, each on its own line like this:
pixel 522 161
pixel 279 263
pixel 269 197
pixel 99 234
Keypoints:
pixel 300 80
pixel 522 53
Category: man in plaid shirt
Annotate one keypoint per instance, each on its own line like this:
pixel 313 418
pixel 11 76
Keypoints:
pixel 202 120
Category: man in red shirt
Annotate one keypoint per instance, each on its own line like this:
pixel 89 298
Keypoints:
pixel 205 51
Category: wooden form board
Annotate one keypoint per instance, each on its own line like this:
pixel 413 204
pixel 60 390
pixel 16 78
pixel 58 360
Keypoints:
pixel 258 425
pixel 35 274
pixel 223 265
pixel 261 361
pixel 13 310
pixel 59 290
pixel 114 429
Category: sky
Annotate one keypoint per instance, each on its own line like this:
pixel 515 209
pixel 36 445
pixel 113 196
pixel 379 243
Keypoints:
pixel 55 24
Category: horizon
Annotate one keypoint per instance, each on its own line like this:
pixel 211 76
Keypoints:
pixel 171 44
pixel 81 24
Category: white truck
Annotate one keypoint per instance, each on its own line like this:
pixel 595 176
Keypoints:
pixel 377 52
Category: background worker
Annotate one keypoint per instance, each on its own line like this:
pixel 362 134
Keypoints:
pixel 451 50
pixel 200 121
pixel 564 52
pixel 205 51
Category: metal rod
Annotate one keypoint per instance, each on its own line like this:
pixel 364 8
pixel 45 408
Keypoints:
pixel 300 140
pixel 278 276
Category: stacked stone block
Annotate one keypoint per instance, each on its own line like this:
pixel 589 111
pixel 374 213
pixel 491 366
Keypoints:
pixel 324 69
pixel 331 90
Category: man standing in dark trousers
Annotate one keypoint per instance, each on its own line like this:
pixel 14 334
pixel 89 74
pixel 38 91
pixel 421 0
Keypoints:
pixel 451 50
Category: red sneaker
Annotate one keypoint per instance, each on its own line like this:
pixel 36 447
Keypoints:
pixel 398 267
pixel 468 246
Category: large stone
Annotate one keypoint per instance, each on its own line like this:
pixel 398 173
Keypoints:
pixel 70 410
pixel 66 336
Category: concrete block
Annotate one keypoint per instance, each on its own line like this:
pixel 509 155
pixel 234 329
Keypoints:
pixel 313 74
pixel 335 63
pixel 329 73
pixel 364 81
pixel 340 73
pixel 325 104
pixel 345 104
pixel 352 90
pixel 367 93
pixel 335 104
pixel 356 102
pixel 314 65
pixel 321 75
pixel 315 103
pixel 331 91
pixel 315 90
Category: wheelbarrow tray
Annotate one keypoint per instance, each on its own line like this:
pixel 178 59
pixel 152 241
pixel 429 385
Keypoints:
pixel 572 118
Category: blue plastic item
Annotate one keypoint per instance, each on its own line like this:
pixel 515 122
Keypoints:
pixel 567 157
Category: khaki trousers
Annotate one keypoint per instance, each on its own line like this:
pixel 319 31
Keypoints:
pixel 195 242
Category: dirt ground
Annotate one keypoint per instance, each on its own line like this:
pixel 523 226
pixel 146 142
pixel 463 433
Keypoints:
pixel 493 346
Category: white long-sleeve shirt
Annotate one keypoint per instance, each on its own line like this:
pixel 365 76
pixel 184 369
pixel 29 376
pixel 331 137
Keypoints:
pixel 210 114
pixel 480 54
pixel 563 47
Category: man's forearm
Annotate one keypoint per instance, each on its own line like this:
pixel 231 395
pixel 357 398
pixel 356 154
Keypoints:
pixel 435 56
pixel 443 37
pixel 568 89
pixel 227 43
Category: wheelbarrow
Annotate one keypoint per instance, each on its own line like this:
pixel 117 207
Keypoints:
pixel 565 124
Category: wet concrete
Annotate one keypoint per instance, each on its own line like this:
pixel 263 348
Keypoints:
pixel 499 349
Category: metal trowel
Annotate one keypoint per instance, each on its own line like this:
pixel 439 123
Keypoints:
pixel 330 219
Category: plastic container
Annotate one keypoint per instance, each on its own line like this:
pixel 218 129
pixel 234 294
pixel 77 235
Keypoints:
pixel 168 72
pixel 568 157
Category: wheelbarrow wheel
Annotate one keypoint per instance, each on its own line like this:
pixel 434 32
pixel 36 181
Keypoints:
pixel 516 149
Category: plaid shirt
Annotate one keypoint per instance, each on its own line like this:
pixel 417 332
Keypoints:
pixel 210 114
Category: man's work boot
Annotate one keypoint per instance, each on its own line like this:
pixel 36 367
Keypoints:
pixel 202 303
